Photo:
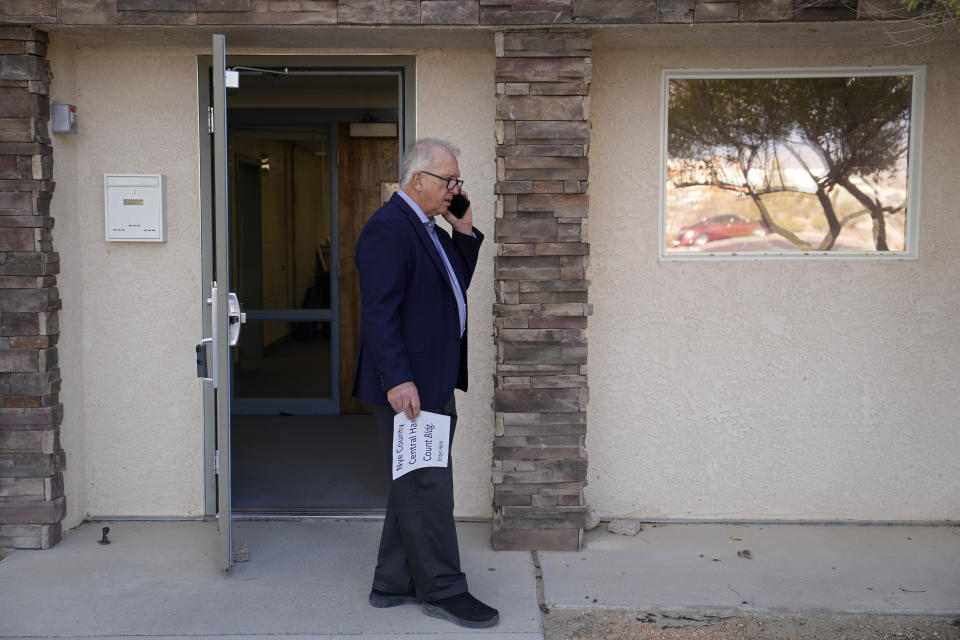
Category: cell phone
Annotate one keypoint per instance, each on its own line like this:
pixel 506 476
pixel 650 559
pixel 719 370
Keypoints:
pixel 458 206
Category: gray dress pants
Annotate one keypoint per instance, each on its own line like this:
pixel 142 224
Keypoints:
pixel 418 546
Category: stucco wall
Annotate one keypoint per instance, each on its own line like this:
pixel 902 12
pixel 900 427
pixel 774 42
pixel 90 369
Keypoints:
pixel 456 100
pixel 69 281
pixel 768 389
pixel 132 404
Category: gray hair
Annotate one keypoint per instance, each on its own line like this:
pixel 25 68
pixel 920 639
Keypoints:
pixel 419 156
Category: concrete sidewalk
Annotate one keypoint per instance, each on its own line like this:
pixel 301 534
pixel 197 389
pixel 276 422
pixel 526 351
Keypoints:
pixel 799 568
pixel 311 578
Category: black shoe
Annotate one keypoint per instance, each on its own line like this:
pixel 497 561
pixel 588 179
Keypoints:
pixel 462 609
pixel 384 599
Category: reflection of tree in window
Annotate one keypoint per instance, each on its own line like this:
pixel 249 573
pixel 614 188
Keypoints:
pixel 840 139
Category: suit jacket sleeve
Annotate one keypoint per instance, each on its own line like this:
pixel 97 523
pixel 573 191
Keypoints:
pixel 382 264
pixel 467 250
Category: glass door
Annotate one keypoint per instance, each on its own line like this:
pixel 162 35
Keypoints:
pixel 284 264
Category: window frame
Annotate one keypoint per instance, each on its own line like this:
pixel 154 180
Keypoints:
pixel 913 173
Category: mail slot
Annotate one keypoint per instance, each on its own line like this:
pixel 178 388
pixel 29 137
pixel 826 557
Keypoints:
pixel 134 207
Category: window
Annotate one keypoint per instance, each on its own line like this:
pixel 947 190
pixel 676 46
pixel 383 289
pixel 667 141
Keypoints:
pixel 791 163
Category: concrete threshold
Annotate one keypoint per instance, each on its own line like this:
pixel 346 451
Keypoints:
pixel 303 579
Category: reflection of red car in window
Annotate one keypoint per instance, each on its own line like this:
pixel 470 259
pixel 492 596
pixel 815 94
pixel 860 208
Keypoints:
pixel 717 228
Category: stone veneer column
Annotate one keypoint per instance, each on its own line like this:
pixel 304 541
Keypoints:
pixel 31 460
pixel 540 315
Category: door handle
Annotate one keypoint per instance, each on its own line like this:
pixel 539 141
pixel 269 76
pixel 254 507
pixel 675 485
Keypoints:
pixel 235 317
pixel 202 360
pixel 212 340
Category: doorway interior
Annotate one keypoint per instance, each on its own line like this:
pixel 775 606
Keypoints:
pixel 313 152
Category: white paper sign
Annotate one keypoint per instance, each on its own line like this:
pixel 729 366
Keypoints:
pixel 423 442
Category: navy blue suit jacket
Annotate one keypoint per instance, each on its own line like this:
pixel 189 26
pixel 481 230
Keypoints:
pixel 409 325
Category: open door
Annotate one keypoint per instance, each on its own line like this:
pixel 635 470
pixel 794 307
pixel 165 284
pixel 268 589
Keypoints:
pixel 289 172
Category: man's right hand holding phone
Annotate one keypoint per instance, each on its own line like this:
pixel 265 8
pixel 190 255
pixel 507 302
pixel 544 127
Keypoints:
pixel 464 223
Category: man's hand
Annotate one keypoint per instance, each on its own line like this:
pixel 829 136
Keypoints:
pixel 462 225
pixel 404 397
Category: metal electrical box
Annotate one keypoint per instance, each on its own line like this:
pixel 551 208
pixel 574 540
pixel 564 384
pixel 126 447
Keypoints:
pixel 63 118
pixel 134 207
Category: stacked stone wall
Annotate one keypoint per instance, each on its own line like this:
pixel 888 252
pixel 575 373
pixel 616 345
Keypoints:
pixel 503 13
pixel 540 315
pixel 32 504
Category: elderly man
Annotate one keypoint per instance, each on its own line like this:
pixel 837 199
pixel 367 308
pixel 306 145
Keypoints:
pixel 413 353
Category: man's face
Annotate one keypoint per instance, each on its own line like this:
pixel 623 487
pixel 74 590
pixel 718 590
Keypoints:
pixel 435 197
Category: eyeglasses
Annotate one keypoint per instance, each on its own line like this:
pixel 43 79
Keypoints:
pixel 452 183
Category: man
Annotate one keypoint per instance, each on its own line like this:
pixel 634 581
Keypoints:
pixel 413 353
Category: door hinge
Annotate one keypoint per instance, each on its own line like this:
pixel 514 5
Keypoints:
pixel 216 462
pixel 209 119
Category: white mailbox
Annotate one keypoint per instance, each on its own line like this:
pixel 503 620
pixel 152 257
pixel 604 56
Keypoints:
pixel 134 207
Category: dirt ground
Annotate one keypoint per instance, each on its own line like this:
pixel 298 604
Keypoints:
pixel 704 625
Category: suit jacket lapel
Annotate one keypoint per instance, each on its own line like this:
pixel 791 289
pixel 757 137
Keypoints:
pixel 423 235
